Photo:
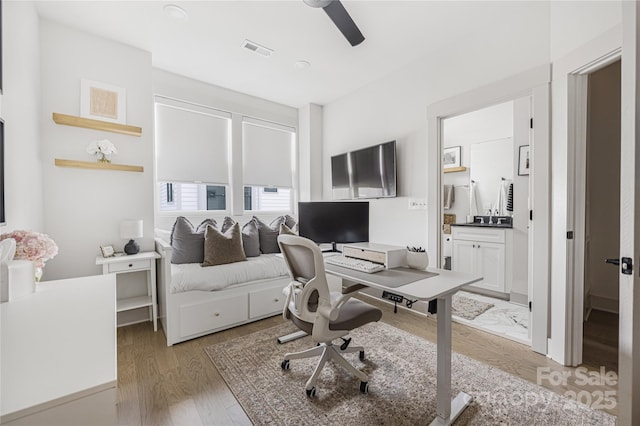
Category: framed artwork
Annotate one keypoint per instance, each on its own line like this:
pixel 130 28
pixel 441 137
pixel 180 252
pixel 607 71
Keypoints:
pixel 524 161
pixel 451 157
pixel 101 101
pixel 107 251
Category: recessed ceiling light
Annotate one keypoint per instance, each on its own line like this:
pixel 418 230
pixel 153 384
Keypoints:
pixel 175 12
pixel 302 65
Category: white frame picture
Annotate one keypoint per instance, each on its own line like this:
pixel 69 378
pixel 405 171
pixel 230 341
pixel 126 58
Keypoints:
pixel 107 251
pixel 101 101
pixel 451 157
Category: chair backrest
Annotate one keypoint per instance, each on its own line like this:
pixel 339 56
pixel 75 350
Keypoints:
pixel 309 288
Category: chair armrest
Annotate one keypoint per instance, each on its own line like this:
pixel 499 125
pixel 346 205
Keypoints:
pixel 332 312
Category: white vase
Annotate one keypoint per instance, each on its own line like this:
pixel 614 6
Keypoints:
pixel 417 259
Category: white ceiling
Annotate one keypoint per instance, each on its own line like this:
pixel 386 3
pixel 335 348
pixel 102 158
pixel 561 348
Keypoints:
pixel 207 46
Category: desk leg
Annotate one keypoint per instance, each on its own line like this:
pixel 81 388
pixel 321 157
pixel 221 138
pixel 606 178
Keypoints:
pixel 447 410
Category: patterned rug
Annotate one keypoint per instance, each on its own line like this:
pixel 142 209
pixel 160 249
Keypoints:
pixel 467 308
pixel 402 385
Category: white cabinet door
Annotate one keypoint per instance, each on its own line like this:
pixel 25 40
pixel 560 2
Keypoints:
pixel 490 264
pixel 464 256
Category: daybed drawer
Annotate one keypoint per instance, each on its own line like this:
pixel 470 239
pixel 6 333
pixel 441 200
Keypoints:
pixel 265 302
pixel 207 316
pixel 133 265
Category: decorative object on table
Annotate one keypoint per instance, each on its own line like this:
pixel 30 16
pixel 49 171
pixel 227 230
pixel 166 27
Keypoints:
pixel 417 258
pixel 451 157
pixel 102 149
pixel 448 220
pixel 33 246
pixel 130 229
pixel 524 162
pixel 107 251
pixel 101 101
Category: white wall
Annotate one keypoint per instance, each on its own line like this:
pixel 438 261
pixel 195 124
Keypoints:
pixel 395 108
pixel 20 109
pixel 83 208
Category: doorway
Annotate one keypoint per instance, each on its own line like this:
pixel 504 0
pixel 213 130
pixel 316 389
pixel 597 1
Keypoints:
pixel 602 218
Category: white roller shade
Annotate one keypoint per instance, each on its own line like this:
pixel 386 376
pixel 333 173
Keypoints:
pixel 267 151
pixel 192 143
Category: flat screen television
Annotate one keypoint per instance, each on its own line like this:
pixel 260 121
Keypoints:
pixel 366 173
pixel 334 222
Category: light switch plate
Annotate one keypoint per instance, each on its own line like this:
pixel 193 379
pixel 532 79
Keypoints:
pixel 417 204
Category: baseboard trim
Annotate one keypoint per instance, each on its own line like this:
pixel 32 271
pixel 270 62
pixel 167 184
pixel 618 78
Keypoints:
pixel 604 304
pixel 519 299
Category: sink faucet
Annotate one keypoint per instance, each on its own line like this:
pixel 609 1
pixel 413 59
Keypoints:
pixel 490 217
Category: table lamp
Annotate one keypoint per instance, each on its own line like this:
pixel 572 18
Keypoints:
pixel 130 229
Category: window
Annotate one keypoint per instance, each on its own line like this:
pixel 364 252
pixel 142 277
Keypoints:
pixel 268 153
pixel 267 199
pixel 191 197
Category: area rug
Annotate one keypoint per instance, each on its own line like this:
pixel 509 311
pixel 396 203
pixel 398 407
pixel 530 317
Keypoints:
pixel 402 385
pixel 467 308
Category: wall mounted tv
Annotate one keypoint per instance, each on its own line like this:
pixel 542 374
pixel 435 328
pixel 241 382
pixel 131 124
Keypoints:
pixel 334 222
pixel 366 173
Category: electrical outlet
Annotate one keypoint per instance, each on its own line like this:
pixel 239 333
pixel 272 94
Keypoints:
pixel 417 204
pixel 392 296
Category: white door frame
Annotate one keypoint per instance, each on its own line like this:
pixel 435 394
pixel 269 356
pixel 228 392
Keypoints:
pixel 534 83
pixel 567 299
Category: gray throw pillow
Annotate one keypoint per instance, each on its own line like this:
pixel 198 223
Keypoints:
pixel 220 249
pixel 285 230
pixel 250 236
pixel 187 243
pixel 289 221
pixel 269 235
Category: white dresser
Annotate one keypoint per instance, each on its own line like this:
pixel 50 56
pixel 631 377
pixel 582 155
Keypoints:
pixel 58 347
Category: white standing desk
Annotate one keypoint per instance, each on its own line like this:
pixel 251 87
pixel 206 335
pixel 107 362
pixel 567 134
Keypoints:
pixel 441 288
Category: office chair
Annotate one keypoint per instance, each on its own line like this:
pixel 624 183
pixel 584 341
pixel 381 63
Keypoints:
pixel 324 315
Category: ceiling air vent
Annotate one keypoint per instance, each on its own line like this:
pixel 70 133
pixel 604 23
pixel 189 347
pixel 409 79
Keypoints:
pixel 256 48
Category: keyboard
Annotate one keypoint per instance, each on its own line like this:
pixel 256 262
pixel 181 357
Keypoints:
pixel 355 264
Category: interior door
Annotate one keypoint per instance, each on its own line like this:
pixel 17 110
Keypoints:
pixel 629 335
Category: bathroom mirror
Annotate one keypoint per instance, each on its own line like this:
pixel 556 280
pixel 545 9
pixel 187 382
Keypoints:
pixel 491 168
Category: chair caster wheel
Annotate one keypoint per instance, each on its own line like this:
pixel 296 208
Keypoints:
pixel 311 392
pixel 361 356
pixel 364 387
pixel 285 364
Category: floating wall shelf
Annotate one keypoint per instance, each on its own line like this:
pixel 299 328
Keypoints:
pixel 97 166
pixel 88 123
pixel 455 169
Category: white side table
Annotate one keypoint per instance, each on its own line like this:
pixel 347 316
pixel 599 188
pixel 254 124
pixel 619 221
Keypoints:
pixel 144 261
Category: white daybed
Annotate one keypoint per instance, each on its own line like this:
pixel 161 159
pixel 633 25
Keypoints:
pixel 190 313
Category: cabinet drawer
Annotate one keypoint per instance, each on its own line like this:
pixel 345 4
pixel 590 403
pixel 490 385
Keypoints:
pixel 134 265
pixel 265 302
pixel 470 233
pixel 214 314
pixel 370 255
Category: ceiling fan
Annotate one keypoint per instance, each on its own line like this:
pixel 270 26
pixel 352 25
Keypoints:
pixel 341 18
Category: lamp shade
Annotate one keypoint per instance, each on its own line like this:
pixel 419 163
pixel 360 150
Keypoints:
pixel 130 229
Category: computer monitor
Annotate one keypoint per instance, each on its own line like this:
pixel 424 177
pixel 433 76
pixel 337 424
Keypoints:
pixel 334 222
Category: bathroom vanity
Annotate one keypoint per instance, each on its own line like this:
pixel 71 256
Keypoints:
pixel 485 249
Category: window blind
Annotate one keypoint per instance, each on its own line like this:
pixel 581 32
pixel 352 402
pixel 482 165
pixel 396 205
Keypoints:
pixel 192 143
pixel 267 151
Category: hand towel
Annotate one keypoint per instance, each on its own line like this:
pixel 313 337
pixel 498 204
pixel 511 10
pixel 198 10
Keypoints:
pixel 449 196
pixel 510 198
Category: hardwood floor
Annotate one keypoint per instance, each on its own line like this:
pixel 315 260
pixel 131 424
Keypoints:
pixel 178 385
pixel 600 343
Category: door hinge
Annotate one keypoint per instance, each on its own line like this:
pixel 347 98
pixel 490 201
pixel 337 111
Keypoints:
pixel 530 214
pixel 531 123
pixel 627 265
pixel 569 235
pixel 530 306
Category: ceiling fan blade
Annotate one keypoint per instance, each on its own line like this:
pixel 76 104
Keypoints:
pixel 341 18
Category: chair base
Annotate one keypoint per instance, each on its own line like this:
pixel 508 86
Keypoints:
pixel 327 351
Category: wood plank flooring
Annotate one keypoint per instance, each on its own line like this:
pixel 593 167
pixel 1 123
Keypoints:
pixel 178 385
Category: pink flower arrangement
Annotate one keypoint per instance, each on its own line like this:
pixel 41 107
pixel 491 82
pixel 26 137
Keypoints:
pixel 33 246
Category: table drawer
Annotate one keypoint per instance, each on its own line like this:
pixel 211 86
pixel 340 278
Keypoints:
pixel 265 302
pixel 214 314
pixel 134 265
